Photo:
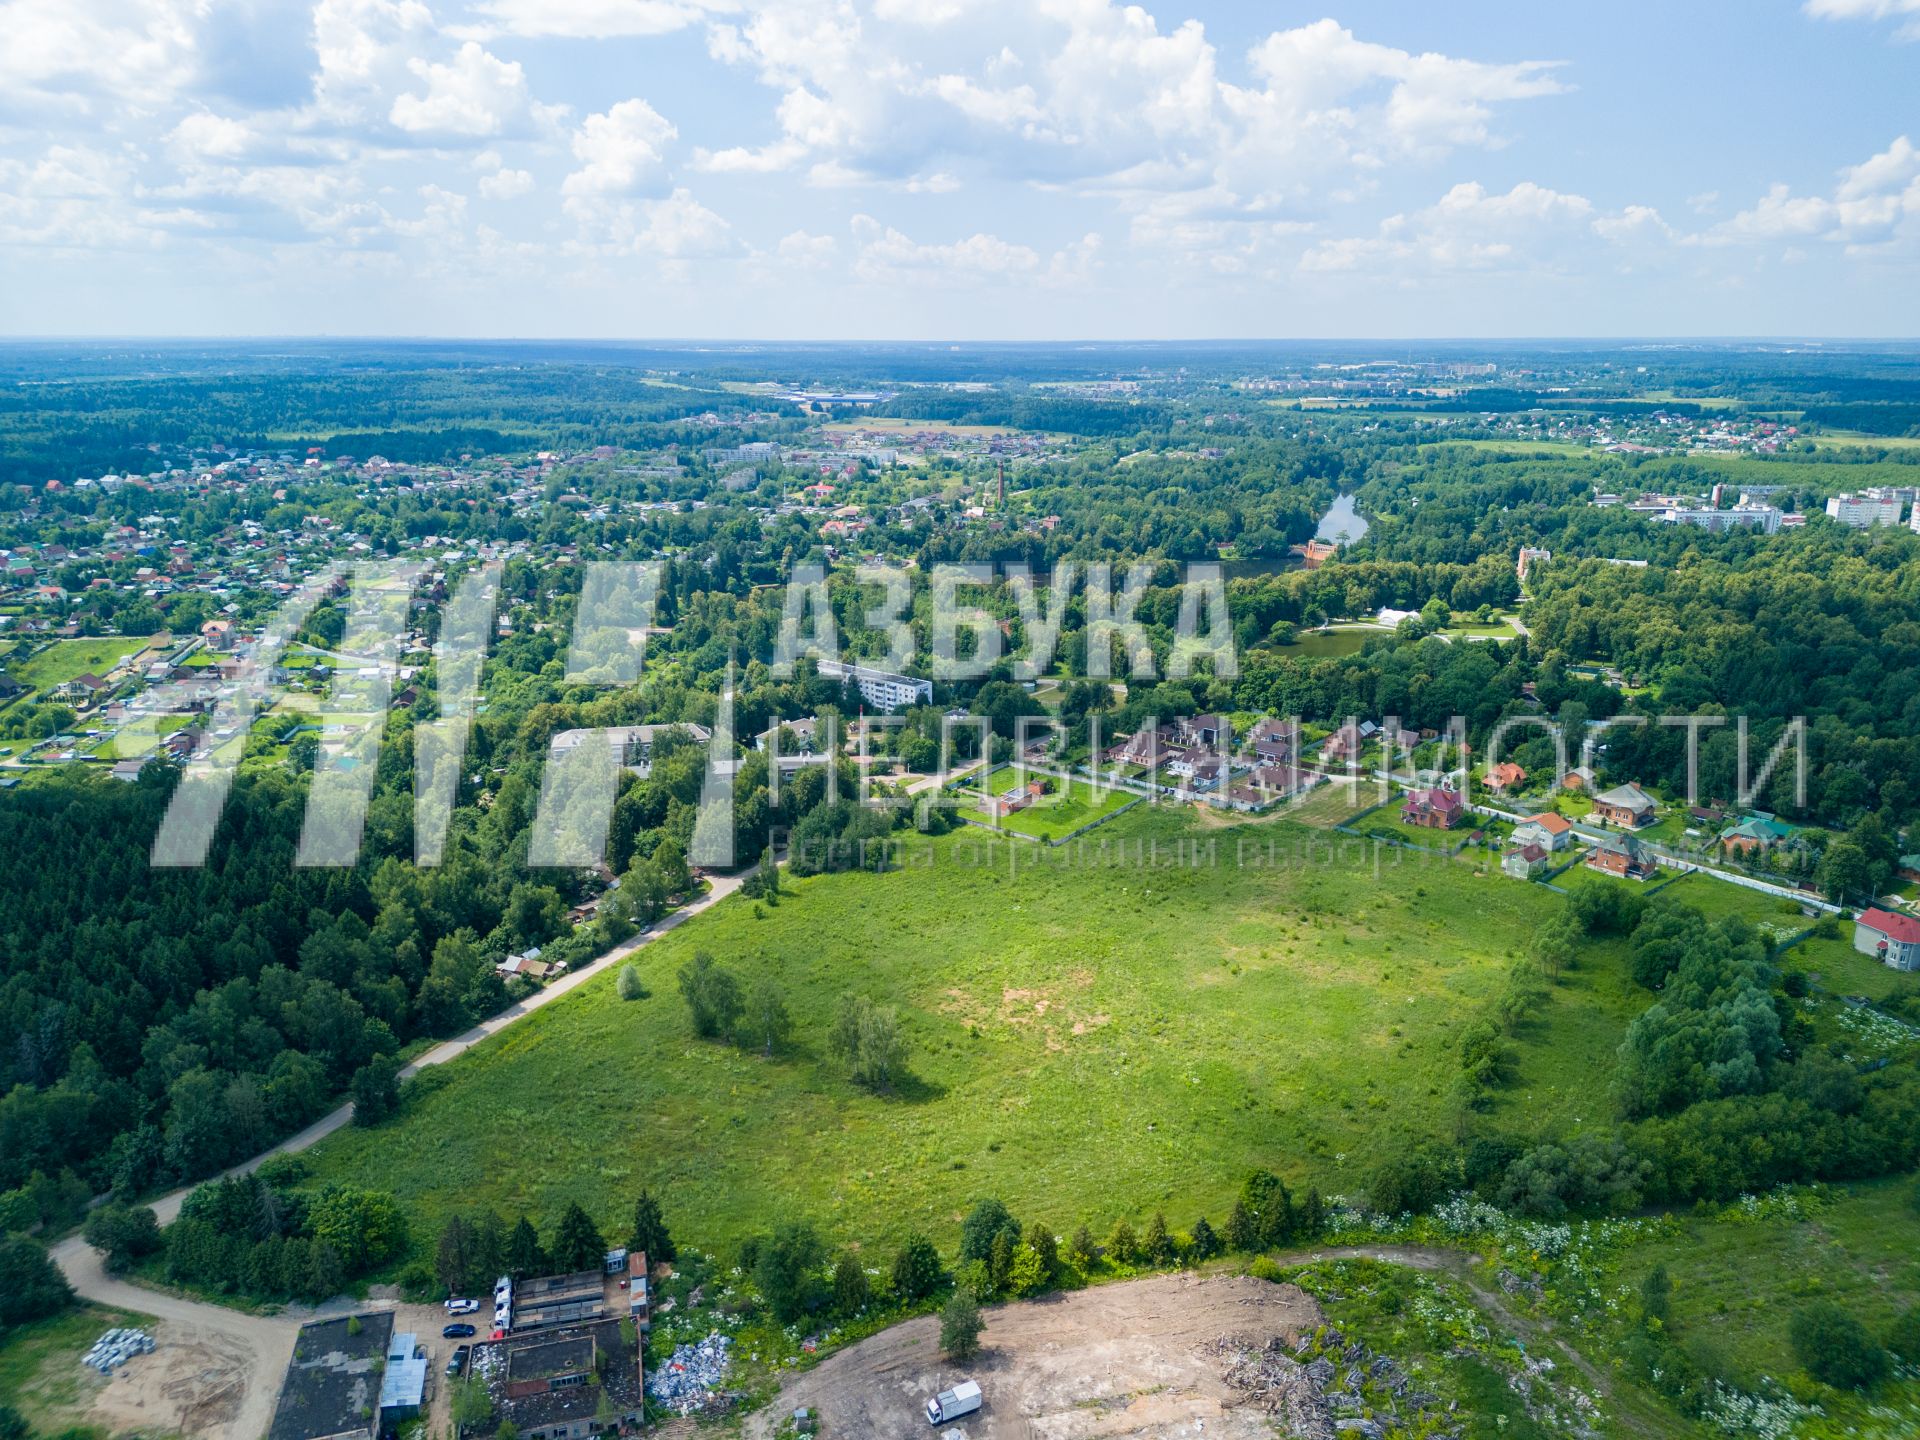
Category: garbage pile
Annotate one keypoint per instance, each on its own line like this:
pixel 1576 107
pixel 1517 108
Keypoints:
pixel 692 1378
pixel 115 1348
pixel 1374 1398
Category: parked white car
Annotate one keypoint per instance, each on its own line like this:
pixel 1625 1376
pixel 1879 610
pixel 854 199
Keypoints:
pixel 457 1306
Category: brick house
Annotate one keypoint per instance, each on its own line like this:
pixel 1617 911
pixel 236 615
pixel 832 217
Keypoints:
pixel 1627 806
pixel 1624 856
pixel 1435 809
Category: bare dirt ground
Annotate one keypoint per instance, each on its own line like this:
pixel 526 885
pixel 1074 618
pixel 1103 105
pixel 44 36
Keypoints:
pixel 195 1382
pixel 1118 1362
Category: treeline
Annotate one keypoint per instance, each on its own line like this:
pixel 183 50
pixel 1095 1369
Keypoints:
pixel 1721 1089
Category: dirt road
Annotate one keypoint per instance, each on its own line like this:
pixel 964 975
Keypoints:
pixel 216 1372
pixel 1114 1361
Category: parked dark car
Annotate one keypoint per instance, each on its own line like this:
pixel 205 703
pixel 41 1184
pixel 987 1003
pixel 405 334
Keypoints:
pixel 459 1360
pixel 457 1332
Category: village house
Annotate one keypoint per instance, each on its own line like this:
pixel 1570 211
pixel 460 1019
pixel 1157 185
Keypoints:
pixel 1578 778
pixel 1504 777
pixel 1143 747
pixel 1273 742
pixel 1211 731
pixel 1199 769
pixel 1894 940
pixel 1549 831
pixel 1435 809
pixel 1523 862
pixel 1627 806
pixel 1624 856
pixel 1011 802
pixel 1755 833
pixel 1348 741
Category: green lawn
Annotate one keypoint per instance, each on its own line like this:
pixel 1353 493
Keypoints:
pixel 1845 971
pixel 40 1371
pixel 1196 1019
pixel 1072 805
pixel 67 659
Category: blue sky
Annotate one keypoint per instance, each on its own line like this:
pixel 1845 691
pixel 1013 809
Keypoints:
pixel 961 169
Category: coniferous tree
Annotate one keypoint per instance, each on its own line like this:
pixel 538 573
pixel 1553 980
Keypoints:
pixel 524 1255
pixel 577 1243
pixel 650 1229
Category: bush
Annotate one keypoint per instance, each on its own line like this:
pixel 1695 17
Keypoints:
pixel 629 985
pixel 1265 1267
pixel 1835 1348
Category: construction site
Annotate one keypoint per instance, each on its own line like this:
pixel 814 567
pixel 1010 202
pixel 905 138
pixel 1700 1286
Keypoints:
pixel 1171 1355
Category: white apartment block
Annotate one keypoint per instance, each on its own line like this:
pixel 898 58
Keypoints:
pixel 1861 511
pixel 1760 517
pixel 881 689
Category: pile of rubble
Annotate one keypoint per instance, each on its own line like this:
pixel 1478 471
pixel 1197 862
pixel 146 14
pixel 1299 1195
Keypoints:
pixel 692 1378
pixel 1344 1390
pixel 115 1348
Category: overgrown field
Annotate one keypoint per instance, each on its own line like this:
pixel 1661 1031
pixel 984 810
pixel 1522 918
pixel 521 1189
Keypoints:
pixel 1063 1012
pixel 1074 805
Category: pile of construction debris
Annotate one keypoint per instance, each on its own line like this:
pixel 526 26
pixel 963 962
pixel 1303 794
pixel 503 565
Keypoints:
pixel 115 1348
pixel 693 1377
pixel 1344 1390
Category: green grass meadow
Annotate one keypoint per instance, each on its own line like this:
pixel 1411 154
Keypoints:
pixel 1199 1018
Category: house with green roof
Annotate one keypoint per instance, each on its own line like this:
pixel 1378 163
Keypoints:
pixel 1756 832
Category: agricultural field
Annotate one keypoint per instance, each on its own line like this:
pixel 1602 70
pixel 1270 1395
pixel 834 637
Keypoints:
pixel 1281 1011
pixel 1074 805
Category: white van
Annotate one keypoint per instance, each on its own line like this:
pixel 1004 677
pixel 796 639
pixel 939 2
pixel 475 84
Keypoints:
pixel 962 1399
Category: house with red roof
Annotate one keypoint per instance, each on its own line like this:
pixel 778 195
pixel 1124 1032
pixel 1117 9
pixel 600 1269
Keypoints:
pixel 1894 940
pixel 1435 809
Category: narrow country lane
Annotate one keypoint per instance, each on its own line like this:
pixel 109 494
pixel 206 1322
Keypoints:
pixel 262 1344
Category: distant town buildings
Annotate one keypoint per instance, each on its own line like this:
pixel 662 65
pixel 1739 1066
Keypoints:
pixel 1875 507
pixel 1765 518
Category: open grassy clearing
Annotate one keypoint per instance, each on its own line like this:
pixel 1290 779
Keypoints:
pixel 1736 1285
pixel 40 1371
pixel 1328 805
pixel 65 660
pixel 1843 970
pixel 1207 1017
pixel 1328 644
pixel 1855 440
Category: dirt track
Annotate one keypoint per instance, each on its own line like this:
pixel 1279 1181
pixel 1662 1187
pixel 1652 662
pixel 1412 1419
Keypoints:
pixel 1118 1362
